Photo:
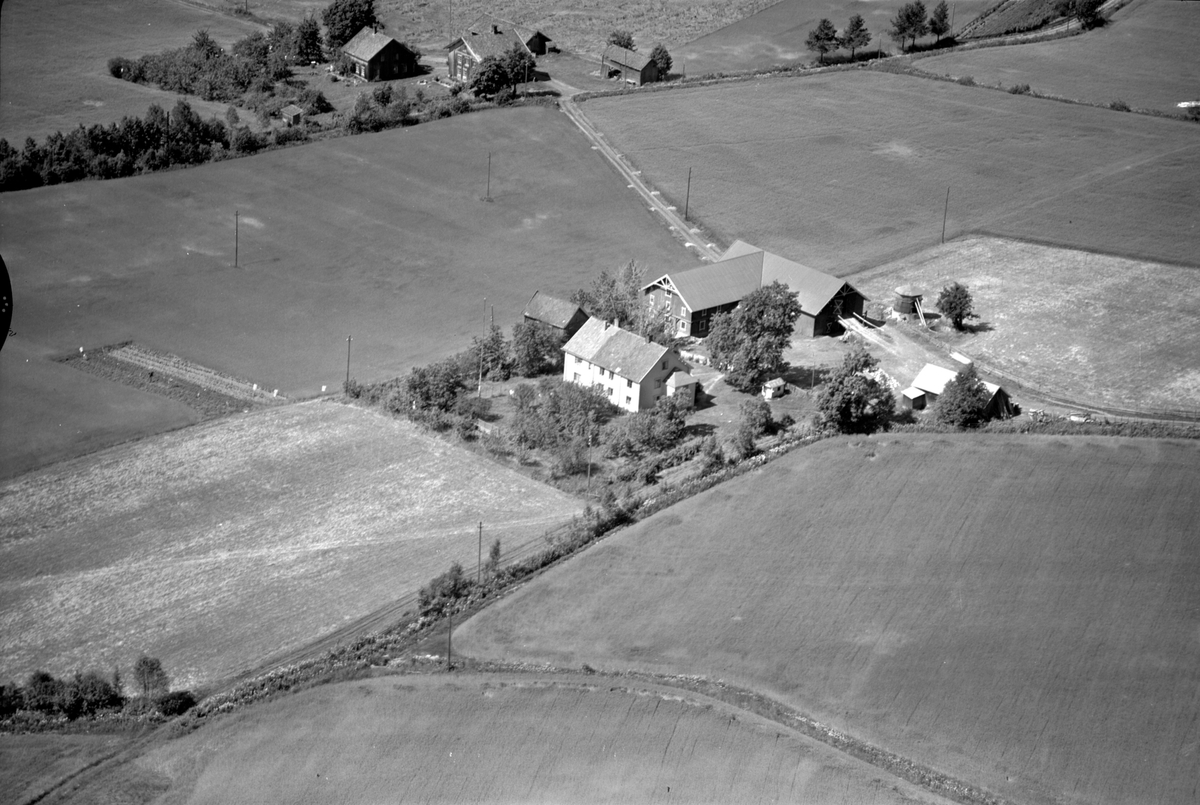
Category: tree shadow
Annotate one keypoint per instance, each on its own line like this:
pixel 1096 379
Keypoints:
pixel 806 377
pixel 700 429
pixel 978 327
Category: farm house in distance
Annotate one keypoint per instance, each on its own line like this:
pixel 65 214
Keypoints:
pixel 490 36
pixel 635 373
pixel 693 296
pixel 566 317
pixel 628 65
pixel 930 382
pixel 379 57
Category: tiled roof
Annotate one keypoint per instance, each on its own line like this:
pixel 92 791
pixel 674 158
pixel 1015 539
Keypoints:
pixel 933 379
pixel 551 309
pixel 629 58
pixel 813 288
pixel 366 44
pixel 719 283
pixel 621 352
pixel 484 22
pixel 485 41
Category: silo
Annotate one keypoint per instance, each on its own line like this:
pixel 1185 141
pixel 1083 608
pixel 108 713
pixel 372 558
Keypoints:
pixel 907 297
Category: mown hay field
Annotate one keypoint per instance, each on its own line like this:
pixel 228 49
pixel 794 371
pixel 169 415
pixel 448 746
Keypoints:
pixel 54 59
pixel 1105 331
pixel 775 35
pixel 1144 57
pixel 1018 612
pixel 384 237
pixel 497 738
pixel 218 546
pixel 845 170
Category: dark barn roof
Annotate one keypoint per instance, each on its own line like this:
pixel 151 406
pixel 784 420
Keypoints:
pixel 367 44
pixel 551 310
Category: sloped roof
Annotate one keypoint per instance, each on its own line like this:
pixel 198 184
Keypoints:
pixel 933 379
pixel 487 41
pixel 484 22
pixel 291 109
pixel 367 44
pixel 629 58
pixel 619 351
pixel 744 268
pixel 550 309
pixel 813 288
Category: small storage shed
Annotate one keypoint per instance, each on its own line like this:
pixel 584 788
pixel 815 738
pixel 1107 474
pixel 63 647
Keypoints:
pixel 912 398
pixel 292 115
pixel 554 312
pixel 907 297
pixel 774 388
pixel 932 380
pixel 681 383
pixel 628 65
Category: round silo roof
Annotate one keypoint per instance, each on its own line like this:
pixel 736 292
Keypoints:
pixel 910 290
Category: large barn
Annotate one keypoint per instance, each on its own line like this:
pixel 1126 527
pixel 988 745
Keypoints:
pixel 693 296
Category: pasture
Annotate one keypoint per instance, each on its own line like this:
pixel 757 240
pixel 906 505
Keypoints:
pixel 843 171
pixel 1019 612
pixel 497 738
pixel 73 40
pixel 221 545
pixel 1102 330
pixel 775 35
pixel 384 237
pixel 1145 57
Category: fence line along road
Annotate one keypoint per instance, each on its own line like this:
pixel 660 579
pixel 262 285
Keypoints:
pixel 705 250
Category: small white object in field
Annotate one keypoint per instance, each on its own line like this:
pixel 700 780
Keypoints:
pixel 322 389
pixel 81 350
pixel 256 387
pixel 275 393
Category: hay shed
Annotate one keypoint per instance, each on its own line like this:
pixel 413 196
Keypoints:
pixel 907 297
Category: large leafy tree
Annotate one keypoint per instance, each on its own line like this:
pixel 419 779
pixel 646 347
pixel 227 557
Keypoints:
pixel 536 349
pixel 497 73
pixel 1086 11
pixel 308 40
pixel 622 39
pixel 344 18
pixel 618 296
pixel 856 35
pixel 910 23
pixel 823 39
pixel 749 342
pixel 662 58
pixel 939 21
pixel 854 399
pixel 150 676
pixel 956 304
pixel 963 402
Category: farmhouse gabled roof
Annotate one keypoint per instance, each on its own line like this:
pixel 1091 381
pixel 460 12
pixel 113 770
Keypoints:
pixel 627 58
pixel 551 310
pixel 489 40
pixel 619 351
pixel 367 44
pixel 933 379
pixel 485 22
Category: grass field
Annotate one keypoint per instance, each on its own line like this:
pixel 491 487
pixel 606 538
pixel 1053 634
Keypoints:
pixel 1144 57
pixel 31 763
pixel 1101 330
pixel 498 739
pixel 1018 612
pixel 382 236
pixel 775 35
pixel 74 39
pixel 843 171
pixel 218 546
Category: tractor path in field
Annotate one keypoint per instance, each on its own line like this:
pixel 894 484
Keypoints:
pixel 691 236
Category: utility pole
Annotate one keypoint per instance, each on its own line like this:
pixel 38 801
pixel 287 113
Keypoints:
pixel 687 198
pixel 479 566
pixel 488 197
pixel 945 213
pixel 236 224
pixel 449 632
pixel 479 385
pixel 348 339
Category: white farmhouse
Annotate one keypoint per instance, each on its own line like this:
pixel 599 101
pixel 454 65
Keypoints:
pixel 633 372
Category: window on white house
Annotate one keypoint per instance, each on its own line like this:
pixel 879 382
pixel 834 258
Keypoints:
pixel 578 359
pixel 610 391
pixel 628 400
pixel 577 377
pixel 628 384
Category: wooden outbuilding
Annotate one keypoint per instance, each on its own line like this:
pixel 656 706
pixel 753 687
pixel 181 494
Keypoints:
pixel 567 317
pixel 628 65
pixel 931 381
pixel 292 115
pixel 693 296
pixel 379 57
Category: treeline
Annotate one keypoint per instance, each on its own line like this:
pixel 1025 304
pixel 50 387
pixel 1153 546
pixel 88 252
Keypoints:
pixel 90 694
pixel 254 75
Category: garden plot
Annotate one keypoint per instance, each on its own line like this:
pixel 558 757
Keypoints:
pixel 1018 612
pixel 218 546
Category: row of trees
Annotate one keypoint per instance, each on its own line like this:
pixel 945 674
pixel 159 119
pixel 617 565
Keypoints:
pixel 911 22
pixel 90 693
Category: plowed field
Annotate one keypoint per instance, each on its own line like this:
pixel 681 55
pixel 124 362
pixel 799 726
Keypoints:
pixel 1020 613
pixel 501 739
pixel 221 545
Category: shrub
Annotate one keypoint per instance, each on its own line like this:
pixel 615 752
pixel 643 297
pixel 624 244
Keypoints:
pixel 292 134
pixel 1020 89
pixel 175 703
pixel 966 81
pixel 1119 106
